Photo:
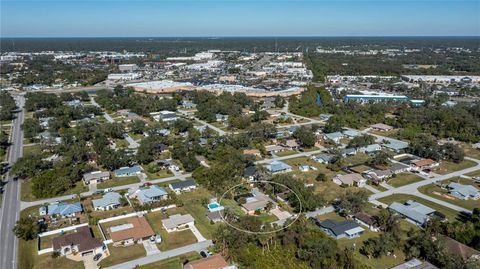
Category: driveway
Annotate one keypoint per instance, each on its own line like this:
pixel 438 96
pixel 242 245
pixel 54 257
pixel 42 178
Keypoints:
pixel 197 233
pixel 280 214
pixel 150 247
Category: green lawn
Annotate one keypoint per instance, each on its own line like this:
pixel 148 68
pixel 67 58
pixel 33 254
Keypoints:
pixel 266 218
pixel 286 153
pixel 441 194
pixel 26 191
pixel 32 149
pixel 474 174
pixel 117 181
pixel 449 213
pixel 357 158
pixel 29 259
pixel 121 143
pixel 123 254
pixel 448 167
pixel 159 174
pixel 470 151
pixel 173 263
pixel 176 239
pixel 403 179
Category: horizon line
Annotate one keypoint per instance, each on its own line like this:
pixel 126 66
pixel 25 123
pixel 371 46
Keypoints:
pixel 247 36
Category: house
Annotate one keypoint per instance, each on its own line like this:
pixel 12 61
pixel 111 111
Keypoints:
pixel 325 117
pixel 335 137
pixel 304 168
pixel 350 133
pixel 278 167
pixel 215 216
pixel 349 152
pixel 148 195
pixel 257 201
pixel 350 180
pixel 62 209
pixel 379 175
pixel 274 149
pixel 476 145
pixel 323 158
pixel 250 172
pixel 188 105
pixel 309 183
pixel 136 230
pixel 463 192
pixel 424 164
pixel 109 201
pixel 95 177
pixel 461 250
pixel 415 212
pixel 165 116
pixel 366 220
pixel 180 186
pixel 291 144
pixel 381 127
pixel 399 168
pixel 370 149
pixel 212 262
pixel 221 117
pixel 395 145
pixel 253 152
pixel 341 229
pixel 292 129
pixel 128 171
pixel 161 132
pixel 178 222
pixel 81 242
pixel 415 264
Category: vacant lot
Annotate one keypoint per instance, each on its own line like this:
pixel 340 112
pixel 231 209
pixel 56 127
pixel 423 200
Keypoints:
pixel 173 263
pixel 403 179
pixel 448 167
pixel 26 191
pixel 123 254
pixel 118 181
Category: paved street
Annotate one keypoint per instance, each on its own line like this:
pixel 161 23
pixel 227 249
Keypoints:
pixel 163 255
pixel 11 205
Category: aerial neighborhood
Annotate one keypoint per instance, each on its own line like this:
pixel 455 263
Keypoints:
pixel 221 157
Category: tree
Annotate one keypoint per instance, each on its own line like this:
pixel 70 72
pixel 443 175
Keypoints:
pixel 26 228
pixel 305 136
pixel 361 141
pixel 31 128
pixel 137 126
pixel 321 177
pixel 352 202
pixel 279 101
pixel 380 158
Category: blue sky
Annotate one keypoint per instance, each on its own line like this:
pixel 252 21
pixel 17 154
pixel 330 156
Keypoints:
pixel 166 18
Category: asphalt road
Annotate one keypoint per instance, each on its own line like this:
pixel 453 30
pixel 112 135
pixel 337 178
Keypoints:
pixel 11 202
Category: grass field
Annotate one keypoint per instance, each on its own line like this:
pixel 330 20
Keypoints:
pixel 117 181
pixel 470 151
pixel 123 254
pixel 32 149
pixel 26 191
pixel 441 194
pixel 449 213
pixel 448 167
pixel 403 179
pixel 286 153
pixel 159 174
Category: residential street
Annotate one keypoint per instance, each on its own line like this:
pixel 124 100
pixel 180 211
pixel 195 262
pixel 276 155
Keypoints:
pixel 11 203
pixel 163 255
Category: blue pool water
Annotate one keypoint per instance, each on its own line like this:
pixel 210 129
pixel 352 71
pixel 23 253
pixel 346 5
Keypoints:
pixel 213 205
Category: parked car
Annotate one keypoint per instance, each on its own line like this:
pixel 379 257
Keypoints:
pixel 97 257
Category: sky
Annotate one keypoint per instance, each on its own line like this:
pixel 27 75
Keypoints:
pixel 217 18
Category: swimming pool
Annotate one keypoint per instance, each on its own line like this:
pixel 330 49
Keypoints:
pixel 214 207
